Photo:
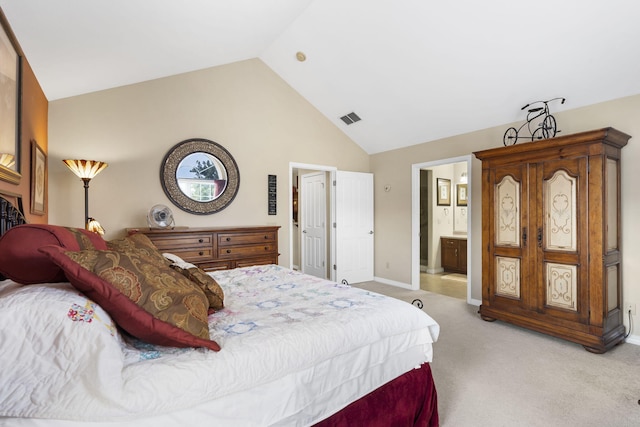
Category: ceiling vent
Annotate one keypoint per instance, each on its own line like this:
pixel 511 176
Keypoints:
pixel 350 118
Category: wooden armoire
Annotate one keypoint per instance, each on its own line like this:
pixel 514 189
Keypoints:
pixel 551 256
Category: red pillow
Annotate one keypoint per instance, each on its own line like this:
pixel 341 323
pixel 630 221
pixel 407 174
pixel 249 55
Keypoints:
pixel 147 299
pixel 21 261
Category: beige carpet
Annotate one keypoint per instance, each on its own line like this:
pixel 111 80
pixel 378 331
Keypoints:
pixel 495 374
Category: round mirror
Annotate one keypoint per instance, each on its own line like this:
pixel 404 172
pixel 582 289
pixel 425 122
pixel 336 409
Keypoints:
pixel 199 176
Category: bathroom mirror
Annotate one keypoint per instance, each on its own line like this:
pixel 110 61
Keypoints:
pixel 199 176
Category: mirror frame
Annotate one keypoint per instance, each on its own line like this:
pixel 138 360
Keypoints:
pixel 13 174
pixel 169 180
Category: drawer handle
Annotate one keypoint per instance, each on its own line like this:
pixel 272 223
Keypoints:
pixel 200 253
pixel 200 240
pixel 228 239
pixel 266 237
pixel 228 251
pixel 266 248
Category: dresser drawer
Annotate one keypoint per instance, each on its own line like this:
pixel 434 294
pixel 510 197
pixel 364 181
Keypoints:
pixel 216 265
pixel 182 241
pixel 256 261
pixel 219 248
pixel 246 251
pixel 452 243
pixel 231 239
pixel 190 254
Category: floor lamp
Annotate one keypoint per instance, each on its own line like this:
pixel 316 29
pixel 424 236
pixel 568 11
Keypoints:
pixel 86 170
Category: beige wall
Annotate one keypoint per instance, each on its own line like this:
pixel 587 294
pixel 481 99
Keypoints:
pixel 393 208
pixel 265 125
pixel 244 106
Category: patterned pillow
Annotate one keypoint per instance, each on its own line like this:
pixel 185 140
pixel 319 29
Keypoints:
pixel 209 286
pixel 21 261
pixel 147 299
pixel 137 243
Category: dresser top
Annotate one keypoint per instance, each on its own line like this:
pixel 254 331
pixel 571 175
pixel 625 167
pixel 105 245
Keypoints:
pixel 147 230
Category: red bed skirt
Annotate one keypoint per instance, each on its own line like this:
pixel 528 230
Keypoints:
pixel 409 400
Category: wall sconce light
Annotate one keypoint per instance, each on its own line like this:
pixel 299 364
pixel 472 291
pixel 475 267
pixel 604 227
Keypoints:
pixel 7 160
pixel 86 170
pixel 95 227
pixel 463 178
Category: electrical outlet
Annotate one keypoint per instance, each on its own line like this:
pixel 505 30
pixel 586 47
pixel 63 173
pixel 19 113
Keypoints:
pixel 631 307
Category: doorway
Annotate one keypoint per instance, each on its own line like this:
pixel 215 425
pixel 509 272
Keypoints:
pixel 296 261
pixel 442 216
pixel 313 223
pixel 350 206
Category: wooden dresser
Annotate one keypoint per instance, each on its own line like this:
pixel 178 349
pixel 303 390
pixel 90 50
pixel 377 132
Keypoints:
pixel 453 255
pixel 551 254
pixel 219 248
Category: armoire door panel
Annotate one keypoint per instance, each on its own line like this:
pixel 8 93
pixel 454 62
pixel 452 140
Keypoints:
pixel 562 253
pixel 562 286
pixel 507 277
pixel 510 244
pixel 507 208
pixel 560 212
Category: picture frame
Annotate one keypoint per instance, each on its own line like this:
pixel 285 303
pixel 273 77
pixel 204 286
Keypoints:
pixel 444 191
pixel 38 179
pixel 10 74
pixel 461 194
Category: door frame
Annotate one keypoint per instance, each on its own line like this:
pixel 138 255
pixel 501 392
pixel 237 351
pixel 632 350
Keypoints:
pixel 415 217
pixel 331 244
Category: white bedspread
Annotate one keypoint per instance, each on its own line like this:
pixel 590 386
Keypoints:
pixel 294 350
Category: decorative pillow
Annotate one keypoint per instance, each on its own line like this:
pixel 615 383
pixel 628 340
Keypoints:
pixel 21 261
pixel 209 286
pixel 147 299
pixel 137 242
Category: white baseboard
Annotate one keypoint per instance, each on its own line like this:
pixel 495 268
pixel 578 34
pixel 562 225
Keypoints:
pixel 633 339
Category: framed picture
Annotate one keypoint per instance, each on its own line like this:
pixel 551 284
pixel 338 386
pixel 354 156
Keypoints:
pixel 38 179
pixel 461 194
pixel 444 192
pixel 9 108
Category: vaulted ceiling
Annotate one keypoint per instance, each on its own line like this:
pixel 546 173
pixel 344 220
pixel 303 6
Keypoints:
pixel 413 70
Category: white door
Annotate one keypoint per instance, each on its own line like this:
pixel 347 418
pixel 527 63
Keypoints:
pixel 313 215
pixel 354 227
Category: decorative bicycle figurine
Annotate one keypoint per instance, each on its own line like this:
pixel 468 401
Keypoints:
pixel 545 128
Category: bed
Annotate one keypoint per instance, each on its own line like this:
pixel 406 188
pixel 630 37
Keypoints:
pixel 283 349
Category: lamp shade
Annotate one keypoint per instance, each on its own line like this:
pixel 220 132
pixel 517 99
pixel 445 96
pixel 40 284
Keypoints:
pixel 85 169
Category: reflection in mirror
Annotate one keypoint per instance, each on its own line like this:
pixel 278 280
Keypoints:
pixel 201 177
